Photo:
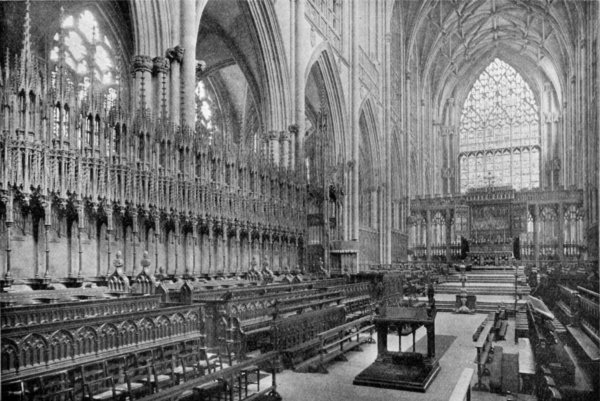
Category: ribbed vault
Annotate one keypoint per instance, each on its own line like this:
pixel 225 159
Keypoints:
pixel 453 39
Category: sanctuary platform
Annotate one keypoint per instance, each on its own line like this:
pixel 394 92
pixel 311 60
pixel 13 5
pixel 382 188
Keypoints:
pixel 491 285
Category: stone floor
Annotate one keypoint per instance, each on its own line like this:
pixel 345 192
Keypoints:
pixel 337 384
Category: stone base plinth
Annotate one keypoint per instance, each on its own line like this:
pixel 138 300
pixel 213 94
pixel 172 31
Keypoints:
pixel 401 371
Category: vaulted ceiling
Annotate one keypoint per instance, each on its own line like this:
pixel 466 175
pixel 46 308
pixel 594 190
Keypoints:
pixel 452 41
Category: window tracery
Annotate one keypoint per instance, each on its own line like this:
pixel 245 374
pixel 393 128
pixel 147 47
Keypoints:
pixel 88 53
pixel 499 131
pixel 208 116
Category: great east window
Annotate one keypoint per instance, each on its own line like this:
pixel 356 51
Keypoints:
pixel 500 132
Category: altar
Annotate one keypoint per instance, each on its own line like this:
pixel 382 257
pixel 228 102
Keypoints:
pixel 496 254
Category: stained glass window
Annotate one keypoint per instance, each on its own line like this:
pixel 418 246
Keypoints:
pixel 207 111
pixel 87 52
pixel 499 131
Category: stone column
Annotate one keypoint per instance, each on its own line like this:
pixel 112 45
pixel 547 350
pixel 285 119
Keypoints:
pixel 387 257
pixel 47 225
pixel 175 56
pixel 109 228
pixel 142 74
pixel 274 152
pixel 80 228
pixel 301 37
pixel 161 98
pixel 284 146
pixel 355 96
pixel 9 220
pixel 188 81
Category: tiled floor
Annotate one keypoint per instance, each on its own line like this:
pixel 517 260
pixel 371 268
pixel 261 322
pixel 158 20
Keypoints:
pixel 337 384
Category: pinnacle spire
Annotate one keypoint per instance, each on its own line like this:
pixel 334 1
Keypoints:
pixel 26 61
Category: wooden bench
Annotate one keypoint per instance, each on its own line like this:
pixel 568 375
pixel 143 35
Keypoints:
pixel 334 342
pixel 296 337
pixel 479 330
pixel 483 345
pixel 294 356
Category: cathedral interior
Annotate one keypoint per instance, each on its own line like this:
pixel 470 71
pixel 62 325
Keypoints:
pixel 249 200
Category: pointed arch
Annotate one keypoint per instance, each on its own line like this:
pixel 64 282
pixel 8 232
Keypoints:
pixel 370 135
pixel 323 59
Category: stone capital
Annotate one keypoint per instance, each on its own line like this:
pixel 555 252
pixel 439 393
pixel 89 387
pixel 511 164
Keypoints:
pixel 141 63
pixel 284 136
pixel 161 65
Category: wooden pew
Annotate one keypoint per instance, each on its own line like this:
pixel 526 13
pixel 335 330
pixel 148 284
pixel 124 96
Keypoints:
pixel 333 343
pixel 296 337
pixel 483 345
pixel 251 318
pixel 29 351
